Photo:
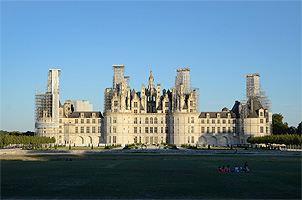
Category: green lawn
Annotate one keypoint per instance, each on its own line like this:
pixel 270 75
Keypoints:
pixel 152 177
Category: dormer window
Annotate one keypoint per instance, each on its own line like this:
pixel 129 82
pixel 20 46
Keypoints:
pixel 93 115
pixel 229 115
pixel 218 115
pixel 208 115
pixel 82 115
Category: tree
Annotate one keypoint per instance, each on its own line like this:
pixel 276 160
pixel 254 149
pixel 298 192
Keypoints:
pixel 299 130
pixel 278 126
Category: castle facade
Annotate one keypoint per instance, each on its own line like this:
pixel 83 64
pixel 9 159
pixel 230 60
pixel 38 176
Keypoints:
pixel 151 115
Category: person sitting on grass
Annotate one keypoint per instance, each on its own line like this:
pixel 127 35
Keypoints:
pixel 228 168
pixel 219 168
pixel 236 169
pixel 223 168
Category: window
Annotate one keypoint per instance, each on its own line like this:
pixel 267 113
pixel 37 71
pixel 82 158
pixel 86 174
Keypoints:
pixel 151 129
pixel 161 129
pixel 223 121
pixel 76 121
pixel 218 130
pixel 229 129
pixel 208 129
pixel 261 121
pixel 192 119
pixel 167 130
pixel 60 121
pixel 135 139
pixel 146 120
pixel 213 121
pixel 114 120
pixel 202 121
pixel 140 129
pixel 188 120
pixel 135 120
pixel 155 120
pixel 135 130
pixel 213 129
pixel 191 103
pixel 188 129
pixel 88 121
pixel 87 129
pixel 153 109
pixel 166 111
pixel 151 120
pixel 146 129
pixel 234 129
pixel 202 129
pixel 135 111
pixel 114 139
pixel 93 129
pixel 115 103
pixel 99 121
pixel 192 139
pixel 82 129
pixel 192 129
pixel 140 120
pixel 261 113
pixel 82 121
pixel 114 129
pixel 93 121
pixel 140 139
pixel 229 121
pixel 166 104
pixel 109 139
pixel 266 129
pixel 155 129
pixel 224 129
pixel 76 129
pixel 191 110
pixel 208 121
pixel 161 120
pixel 234 121
pixel 218 121
pixel 261 129
pixel 135 104
pixel 115 110
pixel 188 139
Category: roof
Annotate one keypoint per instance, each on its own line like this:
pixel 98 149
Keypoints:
pixel 214 114
pixel 86 114
pixel 253 105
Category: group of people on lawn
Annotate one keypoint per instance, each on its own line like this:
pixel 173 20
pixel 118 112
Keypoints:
pixel 236 169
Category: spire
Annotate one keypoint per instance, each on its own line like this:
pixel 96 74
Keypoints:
pixel 151 81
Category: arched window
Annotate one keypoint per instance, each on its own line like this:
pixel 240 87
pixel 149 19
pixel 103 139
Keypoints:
pixel 146 120
pixel 155 120
pixel 151 120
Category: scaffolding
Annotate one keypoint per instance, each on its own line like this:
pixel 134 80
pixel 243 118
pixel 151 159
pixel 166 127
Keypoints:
pixel 118 76
pixel 47 102
pixel 183 77
pixel 254 92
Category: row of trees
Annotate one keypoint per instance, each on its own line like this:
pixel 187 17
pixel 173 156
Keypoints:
pixel 13 139
pixel 276 139
pixel 282 128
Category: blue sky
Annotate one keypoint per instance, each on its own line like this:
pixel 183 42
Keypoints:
pixel 219 41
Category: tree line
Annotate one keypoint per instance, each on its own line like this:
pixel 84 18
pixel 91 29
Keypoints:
pixel 287 139
pixel 24 139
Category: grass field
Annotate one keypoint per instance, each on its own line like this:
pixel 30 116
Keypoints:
pixel 152 177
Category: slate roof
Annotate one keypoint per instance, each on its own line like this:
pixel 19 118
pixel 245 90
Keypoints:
pixel 86 114
pixel 223 114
